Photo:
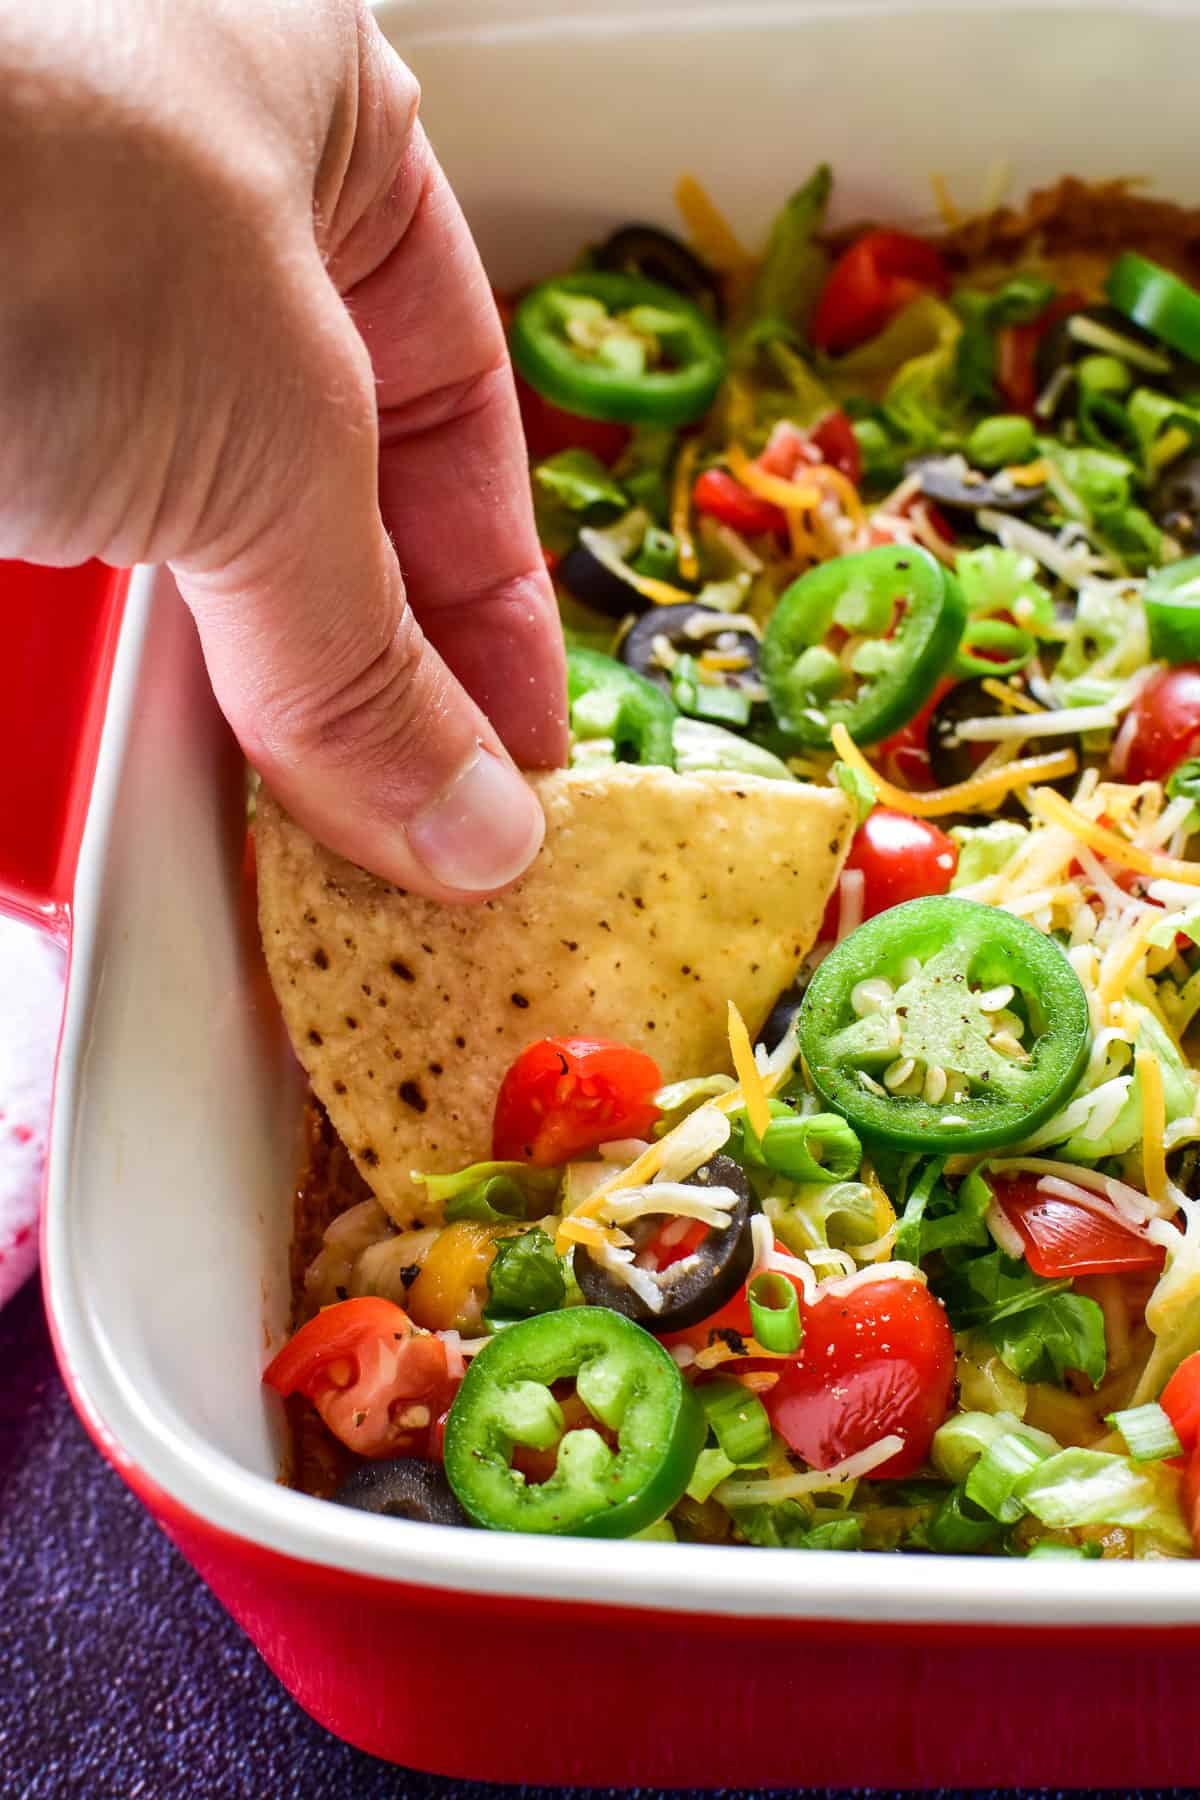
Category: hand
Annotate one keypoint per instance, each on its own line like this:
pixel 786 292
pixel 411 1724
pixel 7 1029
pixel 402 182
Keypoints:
pixel 244 331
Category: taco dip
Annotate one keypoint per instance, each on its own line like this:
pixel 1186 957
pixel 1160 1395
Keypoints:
pixel 804 1153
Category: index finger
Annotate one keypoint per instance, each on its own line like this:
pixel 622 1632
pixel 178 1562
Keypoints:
pixel 453 478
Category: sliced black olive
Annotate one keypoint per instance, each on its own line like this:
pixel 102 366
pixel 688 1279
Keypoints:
pixel 408 1488
pixel 673 623
pixel 1175 499
pixel 595 572
pixel 645 250
pixel 951 482
pixel 779 1020
pixel 696 1285
pixel 952 761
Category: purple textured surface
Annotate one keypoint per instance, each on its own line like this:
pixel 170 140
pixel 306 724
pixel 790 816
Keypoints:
pixel 120 1676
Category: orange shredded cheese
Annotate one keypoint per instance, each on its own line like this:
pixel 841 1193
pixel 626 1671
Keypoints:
pixel 661 593
pixel 1056 811
pixel 681 510
pixel 1119 966
pixel 709 229
pixel 1009 696
pixel 964 796
pixel 1028 474
pixel 1154 1122
pixel 787 494
pixel 842 487
pixel 749 1079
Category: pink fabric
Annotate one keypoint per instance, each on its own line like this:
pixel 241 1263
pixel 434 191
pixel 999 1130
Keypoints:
pixel 32 969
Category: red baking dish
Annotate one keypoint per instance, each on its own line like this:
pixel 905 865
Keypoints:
pixel 176 1126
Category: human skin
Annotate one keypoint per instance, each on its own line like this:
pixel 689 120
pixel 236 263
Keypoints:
pixel 244 331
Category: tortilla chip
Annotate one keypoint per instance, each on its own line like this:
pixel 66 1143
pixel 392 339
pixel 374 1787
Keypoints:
pixel 655 899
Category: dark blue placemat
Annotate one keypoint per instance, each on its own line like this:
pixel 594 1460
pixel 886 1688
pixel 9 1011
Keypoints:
pixel 120 1676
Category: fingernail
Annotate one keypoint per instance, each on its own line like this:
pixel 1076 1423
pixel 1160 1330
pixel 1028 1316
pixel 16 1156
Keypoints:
pixel 483 831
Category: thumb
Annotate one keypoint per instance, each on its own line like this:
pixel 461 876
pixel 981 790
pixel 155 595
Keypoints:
pixel 315 656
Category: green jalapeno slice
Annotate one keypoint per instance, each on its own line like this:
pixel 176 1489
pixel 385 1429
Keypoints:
pixel 943 1024
pixel 630 1385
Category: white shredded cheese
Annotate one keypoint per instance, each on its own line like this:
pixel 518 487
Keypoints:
pixel 623 1150
pixel 888 1271
pixel 735 1492
pixel 710 1205
pixel 852 887
pixel 1004 1233
pixel 1063 723
pixel 694 1140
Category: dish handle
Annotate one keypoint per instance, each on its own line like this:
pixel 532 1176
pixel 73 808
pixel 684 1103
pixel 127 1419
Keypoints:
pixel 58 636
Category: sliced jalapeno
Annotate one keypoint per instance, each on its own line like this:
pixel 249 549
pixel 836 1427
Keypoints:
pixel 1171 598
pixel 599 1488
pixel 898 617
pixel 609 700
pixel 619 347
pixel 1157 299
pixel 943 1024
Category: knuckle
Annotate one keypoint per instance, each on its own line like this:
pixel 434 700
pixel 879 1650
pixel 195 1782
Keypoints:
pixel 376 714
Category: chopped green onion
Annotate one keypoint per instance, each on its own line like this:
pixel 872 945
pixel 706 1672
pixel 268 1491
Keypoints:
pixel 1147 1431
pixel 959 1443
pixel 821 1147
pixel 702 700
pixel 737 1418
pixel 1103 375
pixel 712 1468
pixel 661 1532
pixel 993 647
pixel 1048 1552
pixel 958 1527
pixel 1001 440
pixel 1007 1460
pixel 774 1312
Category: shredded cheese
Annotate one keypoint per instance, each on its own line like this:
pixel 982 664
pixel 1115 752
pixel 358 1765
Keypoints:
pixel 1118 966
pixel 964 796
pixel 1063 723
pixel 660 593
pixel 785 494
pixel 709 230
pixel 735 1492
pixel 1154 1119
pixel 1056 811
pixel 749 1079
pixel 1009 696
pixel 681 508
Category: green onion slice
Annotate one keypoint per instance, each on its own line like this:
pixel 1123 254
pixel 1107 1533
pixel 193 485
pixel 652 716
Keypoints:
pixel 1147 1431
pixel 774 1312
pixel 737 1419
pixel 1005 1462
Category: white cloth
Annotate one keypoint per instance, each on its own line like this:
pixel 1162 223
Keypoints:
pixel 32 970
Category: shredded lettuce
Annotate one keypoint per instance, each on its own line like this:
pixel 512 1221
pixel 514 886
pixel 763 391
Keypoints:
pixel 794 266
pixel 700 745
pixel 1173 1309
pixel 983 314
pixel 789 1525
pixel 856 787
pixel 491 1191
pixel 995 580
pixel 985 850
pixel 1104 483
pixel 1090 1487
pixel 1152 415
pixel 1125 1132
pixel 812 1214
pixel 937 1217
pixel 579 481
pixel 910 364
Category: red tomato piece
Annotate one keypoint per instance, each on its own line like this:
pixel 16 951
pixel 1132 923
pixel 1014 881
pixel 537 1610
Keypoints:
pixel 901 858
pixel 1061 1237
pixel 548 429
pixel 377 1382
pixel 566 1095
pixel 833 439
pixel 721 497
pixel 905 755
pixel 870 283
pixel 1180 1400
pixel 1166 724
pixel 1016 348
pixel 877 1360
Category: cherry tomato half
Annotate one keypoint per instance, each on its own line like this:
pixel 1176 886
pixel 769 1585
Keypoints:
pixel 378 1384
pixel 1166 724
pixel 1180 1400
pixel 871 282
pixel 901 858
pixel 548 429
pixel 1016 349
pixel 877 1360
pixel 721 497
pixel 904 757
pixel 566 1095
pixel 1062 1237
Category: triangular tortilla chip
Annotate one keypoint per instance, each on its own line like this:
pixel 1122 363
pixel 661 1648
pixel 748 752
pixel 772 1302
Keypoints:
pixel 656 898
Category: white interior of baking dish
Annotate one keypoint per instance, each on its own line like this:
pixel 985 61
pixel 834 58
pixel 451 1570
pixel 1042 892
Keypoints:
pixel 176 1134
